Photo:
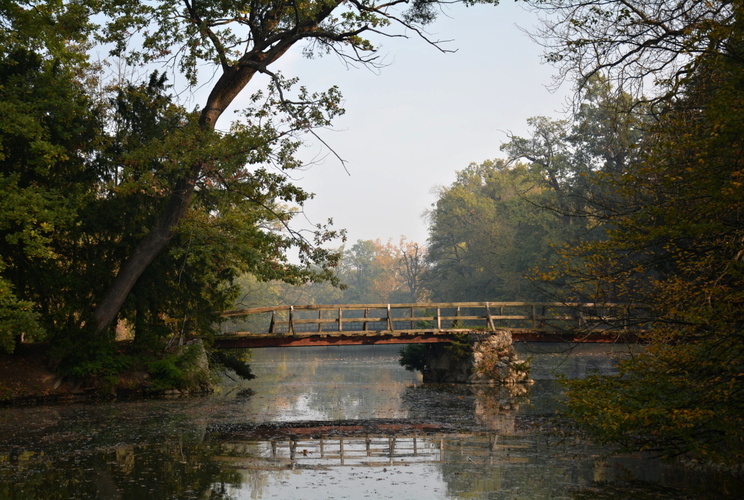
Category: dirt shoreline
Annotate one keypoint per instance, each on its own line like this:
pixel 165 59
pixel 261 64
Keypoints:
pixel 26 380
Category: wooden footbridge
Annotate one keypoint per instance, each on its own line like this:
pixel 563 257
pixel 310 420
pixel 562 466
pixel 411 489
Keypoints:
pixel 363 324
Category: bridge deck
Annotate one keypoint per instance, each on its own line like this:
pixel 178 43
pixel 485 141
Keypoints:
pixel 366 324
pixel 253 341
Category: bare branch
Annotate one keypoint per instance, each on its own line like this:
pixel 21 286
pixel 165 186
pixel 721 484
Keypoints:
pixel 638 46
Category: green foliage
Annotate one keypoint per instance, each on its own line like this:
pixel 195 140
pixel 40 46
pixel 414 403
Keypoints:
pixel 49 129
pixel 368 272
pixel 236 222
pixel 675 243
pixel 117 203
pixel 70 216
pixel 570 164
pixel 228 33
pixel 179 370
pixel 461 347
pixel 16 317
pixel 413 356
pixel 236 361
pixel 486 232
pixel 571 157
pixel 673 400
pixel 374 272
pixel 61 239
pixel 93 360
pixel 502 220
pixel 58 29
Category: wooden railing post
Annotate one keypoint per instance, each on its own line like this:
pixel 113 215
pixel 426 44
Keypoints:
pixel 534 317
pixel 390 319
pixel 365 327
pixel 340 320
pixel 291 320
pixel 543 316
pixel 626 318
pixel 273 322
pixel 489 319
pixel 439 318
pixel 320 317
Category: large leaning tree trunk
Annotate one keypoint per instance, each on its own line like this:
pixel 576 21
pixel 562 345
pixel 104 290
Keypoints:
pixel 178 204
pixel 234 79
pixel 244 38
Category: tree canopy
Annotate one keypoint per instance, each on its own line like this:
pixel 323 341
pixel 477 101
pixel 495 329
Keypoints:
pixel 120 206
pixel 676 243
pixel 486 233
pixel 644 48
pixel 368 272
pixel 503 220
pixel 672 214
pixel 241 40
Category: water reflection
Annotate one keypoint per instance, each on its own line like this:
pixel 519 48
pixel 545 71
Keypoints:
pixel 327 383
pixel 332 423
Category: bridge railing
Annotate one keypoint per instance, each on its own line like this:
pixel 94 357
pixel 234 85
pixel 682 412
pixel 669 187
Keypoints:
pixel 360 319
pixel 372 450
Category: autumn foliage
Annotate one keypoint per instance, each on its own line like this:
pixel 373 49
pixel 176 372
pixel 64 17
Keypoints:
pixel 676 241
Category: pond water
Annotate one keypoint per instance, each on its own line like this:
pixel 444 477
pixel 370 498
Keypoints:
pixel 332 423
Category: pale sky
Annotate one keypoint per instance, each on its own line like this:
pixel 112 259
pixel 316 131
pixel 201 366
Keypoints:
pixel 423 117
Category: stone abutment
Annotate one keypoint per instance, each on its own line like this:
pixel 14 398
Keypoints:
pixel 477 358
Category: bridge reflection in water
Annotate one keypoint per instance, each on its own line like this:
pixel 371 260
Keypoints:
pixel 485 429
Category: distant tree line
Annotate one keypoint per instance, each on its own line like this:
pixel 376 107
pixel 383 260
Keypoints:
pixel 368 272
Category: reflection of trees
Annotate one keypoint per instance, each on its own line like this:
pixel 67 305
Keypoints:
pixel 496 457
pixel 466 406
pixel 515 467
pixel 172 470
pixel 145 449
pixel 539 466
pixel 210 448
pixel 331 383
pixel 472 464
pixel 573 361
pixel 479 464
pixel 478 455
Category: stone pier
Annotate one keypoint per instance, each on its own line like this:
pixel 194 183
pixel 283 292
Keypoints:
pixel 479 358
